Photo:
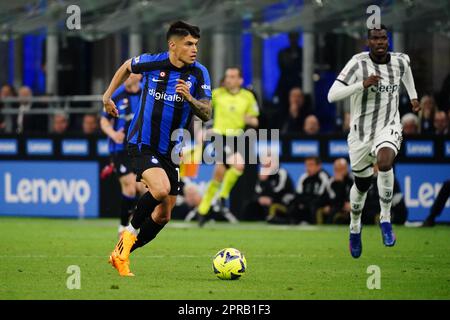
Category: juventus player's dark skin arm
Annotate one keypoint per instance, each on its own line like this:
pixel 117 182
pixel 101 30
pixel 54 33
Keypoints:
pixel 378 44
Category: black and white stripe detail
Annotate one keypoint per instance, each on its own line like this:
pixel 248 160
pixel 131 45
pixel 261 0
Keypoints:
pixel 390 97
pixel 158 107
pixel 363 102
pixel 376 107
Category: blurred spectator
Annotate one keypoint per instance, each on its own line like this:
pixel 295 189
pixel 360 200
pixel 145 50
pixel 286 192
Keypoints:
pixel 273 192
pixel 60 123
pixel 90 124
pixel 337 209
pixel 311 126
pixel 25 122
pixel 444 95
pixel 298 112
pixel 6 91
pixel 371 210
pixel 192 195
pixel 410 123
pixel 346 123
pixel 310 193
pixel 187 202
pixel 426 114
pixel 441 123
pixel 290 62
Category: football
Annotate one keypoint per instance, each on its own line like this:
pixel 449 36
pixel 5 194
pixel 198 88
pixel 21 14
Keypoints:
pixel 229 264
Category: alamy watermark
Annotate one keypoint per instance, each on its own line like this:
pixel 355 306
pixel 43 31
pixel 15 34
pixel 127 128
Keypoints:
pixel 374 280
pixel 73 21
pixel 374 20
pixel 74 280
pixel 232 147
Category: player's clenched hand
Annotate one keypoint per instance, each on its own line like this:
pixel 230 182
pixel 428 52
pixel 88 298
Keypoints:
pixel 110 107
pixel 118 136
pixel 415 105
pixel 371 80
pixel 183 89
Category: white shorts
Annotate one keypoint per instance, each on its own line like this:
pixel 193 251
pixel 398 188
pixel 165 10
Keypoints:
pixel 363 155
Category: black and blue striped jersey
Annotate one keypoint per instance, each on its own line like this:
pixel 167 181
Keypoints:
pixel 161 110
pixel 127 104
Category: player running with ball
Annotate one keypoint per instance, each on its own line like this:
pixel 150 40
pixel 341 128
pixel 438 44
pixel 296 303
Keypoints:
pixel 372 81
pixel 176 87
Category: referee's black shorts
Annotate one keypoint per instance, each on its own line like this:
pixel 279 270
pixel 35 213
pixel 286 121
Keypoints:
pixel 226 146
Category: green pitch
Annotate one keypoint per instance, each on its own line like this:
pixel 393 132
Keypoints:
pixel 283 262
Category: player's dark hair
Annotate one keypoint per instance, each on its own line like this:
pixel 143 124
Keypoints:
pixel 236 68
pixel 382 27
pixel 183 29
pixel 317 160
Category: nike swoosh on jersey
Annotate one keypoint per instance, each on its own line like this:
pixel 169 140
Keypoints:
pixel 157 80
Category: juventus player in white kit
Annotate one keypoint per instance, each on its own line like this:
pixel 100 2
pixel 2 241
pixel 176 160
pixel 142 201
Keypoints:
pixel 372 81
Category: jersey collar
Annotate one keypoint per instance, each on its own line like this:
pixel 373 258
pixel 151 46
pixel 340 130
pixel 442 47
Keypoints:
pixel 173 67
pixel 387 61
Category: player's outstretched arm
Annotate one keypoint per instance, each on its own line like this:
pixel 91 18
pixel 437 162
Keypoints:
pixel 107 128
pixel 201 108
pixel 120 76
pixel 340 91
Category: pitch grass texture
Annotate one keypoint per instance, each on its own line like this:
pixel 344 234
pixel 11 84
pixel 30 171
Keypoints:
pixel 283 262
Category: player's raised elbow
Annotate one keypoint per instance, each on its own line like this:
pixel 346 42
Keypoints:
pixel 331 96
pixel 127 65
pixel 333 93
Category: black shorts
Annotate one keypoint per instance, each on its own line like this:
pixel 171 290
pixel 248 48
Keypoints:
pixel 225 146
pixel 146 158
pixel 122 163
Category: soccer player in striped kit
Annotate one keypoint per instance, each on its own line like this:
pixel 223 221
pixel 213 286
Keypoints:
pixel 126 98
pixel 176 87
pixel 372 81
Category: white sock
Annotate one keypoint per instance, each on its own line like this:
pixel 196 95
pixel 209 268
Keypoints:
pixel 131 229
pixel 385 184
pixel 357 200
pixel 122 228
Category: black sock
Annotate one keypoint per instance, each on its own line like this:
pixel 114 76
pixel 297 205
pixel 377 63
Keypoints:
pixel 149 230
pixel 145 206
pixel 126 208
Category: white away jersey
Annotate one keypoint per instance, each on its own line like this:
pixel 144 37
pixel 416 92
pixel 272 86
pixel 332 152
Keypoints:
pixel 376 107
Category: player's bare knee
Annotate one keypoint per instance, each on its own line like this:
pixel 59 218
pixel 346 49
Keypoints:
pixel 239 167
pixel 219 172
pixel 160 193
pixel 384 166
pixel 129 190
